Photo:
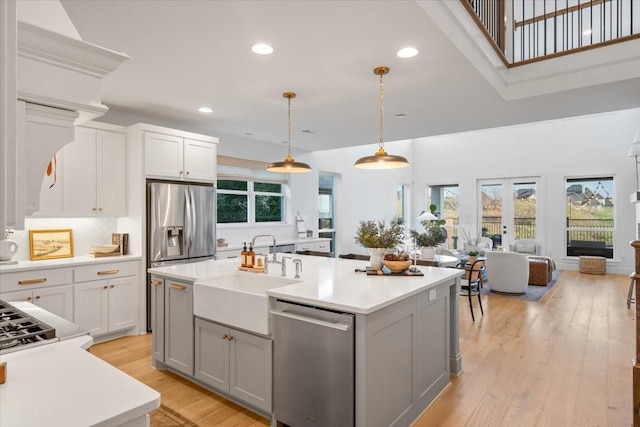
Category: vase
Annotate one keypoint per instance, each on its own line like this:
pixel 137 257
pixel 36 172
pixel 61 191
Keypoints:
pixel 428 252
pixel 375 257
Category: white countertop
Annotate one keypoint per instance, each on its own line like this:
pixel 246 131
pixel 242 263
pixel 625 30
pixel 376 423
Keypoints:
pixel 61 384
pixel 326 282
pixel 64 262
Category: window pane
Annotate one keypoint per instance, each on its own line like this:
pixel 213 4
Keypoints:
pixel 225 184
pixel 446 199
pixel 590 214
pixel 524 210
pixel 232 208
pixel 269 208
pixel 266 187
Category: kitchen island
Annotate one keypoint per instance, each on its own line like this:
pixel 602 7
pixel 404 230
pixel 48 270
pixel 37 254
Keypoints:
pixel 405 328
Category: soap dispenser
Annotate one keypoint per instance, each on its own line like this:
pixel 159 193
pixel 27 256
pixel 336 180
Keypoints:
pixel 244 255
pixel 251 257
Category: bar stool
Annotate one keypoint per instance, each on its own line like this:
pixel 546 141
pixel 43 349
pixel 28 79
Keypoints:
pixel 630 298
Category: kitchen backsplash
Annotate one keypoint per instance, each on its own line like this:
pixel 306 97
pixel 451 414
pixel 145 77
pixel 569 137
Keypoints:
pixel 87 232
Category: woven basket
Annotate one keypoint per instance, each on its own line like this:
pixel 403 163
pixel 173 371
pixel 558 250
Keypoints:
pixel 593 265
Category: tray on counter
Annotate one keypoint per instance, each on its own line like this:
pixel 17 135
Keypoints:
pixel 411 271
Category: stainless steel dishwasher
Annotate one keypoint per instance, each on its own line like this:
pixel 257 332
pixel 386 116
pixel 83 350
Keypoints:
pixel 313 368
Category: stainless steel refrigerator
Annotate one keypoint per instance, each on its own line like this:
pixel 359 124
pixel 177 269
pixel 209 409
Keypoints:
pixel 181 225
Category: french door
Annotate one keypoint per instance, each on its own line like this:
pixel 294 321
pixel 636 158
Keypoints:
pixel 509 209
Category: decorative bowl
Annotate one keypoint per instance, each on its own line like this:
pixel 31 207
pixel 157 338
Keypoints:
pixel 396 266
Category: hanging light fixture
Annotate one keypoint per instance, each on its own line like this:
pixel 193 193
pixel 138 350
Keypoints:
pixel 289 165
pixel 381 160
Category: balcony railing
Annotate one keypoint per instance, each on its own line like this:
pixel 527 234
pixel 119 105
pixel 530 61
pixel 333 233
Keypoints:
pixel 523 31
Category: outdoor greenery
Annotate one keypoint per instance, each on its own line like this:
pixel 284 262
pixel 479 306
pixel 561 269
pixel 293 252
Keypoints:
pixel 236 197
pixel 379 234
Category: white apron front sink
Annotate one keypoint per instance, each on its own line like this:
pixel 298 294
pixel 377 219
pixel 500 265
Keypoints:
pixel 237 300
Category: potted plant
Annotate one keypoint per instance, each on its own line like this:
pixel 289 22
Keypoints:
pixel 432 235
pixel 378 237
pixel 473 256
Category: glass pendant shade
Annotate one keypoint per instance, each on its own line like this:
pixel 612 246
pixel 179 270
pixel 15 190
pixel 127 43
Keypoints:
pixel 381 160
pixel 289 165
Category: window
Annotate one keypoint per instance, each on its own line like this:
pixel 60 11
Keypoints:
pixel 590 216
pixel 446 199
pixel 402 204
pixel 249 202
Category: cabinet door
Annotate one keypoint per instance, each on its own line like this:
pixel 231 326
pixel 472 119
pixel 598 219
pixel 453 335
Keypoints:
pixel 123 303
pixel 157 318
pixel 199 160
pixel 250 369
pixel 212 354
pixel 178 326
pixel 322 246
pixel 163 155
pixel 91 306
pixel 22 296
pixel 56 299
pixel 111 173
pixel 80 174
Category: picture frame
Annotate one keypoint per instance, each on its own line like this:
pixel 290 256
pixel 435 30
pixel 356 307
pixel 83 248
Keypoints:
pixel 50 244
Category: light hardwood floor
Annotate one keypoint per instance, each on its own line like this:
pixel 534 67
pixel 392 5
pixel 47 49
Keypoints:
pixel 563 361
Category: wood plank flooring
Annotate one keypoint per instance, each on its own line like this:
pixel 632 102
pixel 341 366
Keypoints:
pixel 563 361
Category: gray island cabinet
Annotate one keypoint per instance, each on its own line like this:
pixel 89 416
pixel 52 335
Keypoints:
pixel 404 339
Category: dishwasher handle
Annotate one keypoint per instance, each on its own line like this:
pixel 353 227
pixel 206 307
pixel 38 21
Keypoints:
pixel 339 326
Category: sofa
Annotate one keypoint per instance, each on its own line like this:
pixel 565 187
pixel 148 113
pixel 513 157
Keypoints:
pixel 508 272
pixel 525 246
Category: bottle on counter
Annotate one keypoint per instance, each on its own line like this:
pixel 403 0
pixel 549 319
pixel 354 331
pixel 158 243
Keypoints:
pixel 244 255
pixel 251 257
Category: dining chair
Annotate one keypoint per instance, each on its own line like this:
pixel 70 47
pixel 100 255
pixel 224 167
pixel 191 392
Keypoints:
pixel 471 284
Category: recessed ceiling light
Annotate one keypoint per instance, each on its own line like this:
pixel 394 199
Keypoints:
pixel 400 116
pixel 205 110
pixel 407 52
pixel 262 49
pixel 248 133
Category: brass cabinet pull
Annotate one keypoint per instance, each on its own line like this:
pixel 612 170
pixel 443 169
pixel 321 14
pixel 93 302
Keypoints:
pixel 229 337
pixel 32 281
pixel 28 298
pixel 105 287
pixel 113 286
pixel 225 337
pixel 178 287
pixel 37 296
pixel 156 282
pixel 102 273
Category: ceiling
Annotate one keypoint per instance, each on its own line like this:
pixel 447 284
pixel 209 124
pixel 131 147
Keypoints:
pixel 188 54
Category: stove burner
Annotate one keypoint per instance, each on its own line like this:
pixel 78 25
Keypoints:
pixel 18 329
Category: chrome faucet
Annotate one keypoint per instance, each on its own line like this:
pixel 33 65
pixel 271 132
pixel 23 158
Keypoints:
pixel 253 243
pixel 298 263
pixel 283 269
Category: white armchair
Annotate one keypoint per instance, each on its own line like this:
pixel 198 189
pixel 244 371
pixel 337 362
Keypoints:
pixel 525 246
pixel 508 272
pixel 482 244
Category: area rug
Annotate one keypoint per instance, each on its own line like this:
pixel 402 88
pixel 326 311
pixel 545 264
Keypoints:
pixel 167 417
pixel 534 293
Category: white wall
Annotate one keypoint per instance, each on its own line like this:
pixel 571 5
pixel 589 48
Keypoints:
pixel 361 194
pixel 594 145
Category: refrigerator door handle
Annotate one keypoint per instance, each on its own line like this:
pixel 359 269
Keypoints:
pixel 188 220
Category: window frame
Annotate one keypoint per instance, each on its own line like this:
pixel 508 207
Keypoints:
pixel 251 195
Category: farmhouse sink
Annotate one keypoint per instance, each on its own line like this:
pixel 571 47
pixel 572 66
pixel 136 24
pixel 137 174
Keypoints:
pixel 237 300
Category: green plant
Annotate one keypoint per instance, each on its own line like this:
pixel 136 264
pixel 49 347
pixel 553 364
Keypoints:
pixel 473 253
pixel 433 234
pixel 372 234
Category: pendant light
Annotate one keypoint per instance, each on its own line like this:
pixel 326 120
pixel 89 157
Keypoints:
pixel 381 160
pixel 289 165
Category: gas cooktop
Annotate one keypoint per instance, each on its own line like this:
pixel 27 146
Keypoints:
pixel 18 330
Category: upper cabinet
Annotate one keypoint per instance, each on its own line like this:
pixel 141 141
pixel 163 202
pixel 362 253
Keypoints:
pixel 176 155
pixel 87 177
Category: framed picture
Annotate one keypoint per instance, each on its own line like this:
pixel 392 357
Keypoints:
pixel 50 244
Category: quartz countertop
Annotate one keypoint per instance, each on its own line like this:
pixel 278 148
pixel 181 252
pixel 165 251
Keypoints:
pixel 61 384
pixel 326 282
pixel 64 262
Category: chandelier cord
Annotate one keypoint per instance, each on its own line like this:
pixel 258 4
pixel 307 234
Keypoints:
pixel 289 127
pixel 381 144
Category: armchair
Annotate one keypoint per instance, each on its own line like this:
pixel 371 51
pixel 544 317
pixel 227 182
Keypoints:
pixel 525 246
pixel 508 272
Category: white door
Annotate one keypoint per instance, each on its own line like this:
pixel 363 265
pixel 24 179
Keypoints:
pixel 123 303
pixel 91 306
pixel 56 299
pixel 509 209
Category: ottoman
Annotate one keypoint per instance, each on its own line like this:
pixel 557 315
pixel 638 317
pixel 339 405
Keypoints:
pixel 539 272
pixel 593 265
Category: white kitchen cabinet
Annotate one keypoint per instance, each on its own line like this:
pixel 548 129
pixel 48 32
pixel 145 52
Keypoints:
pixel 322 246
pixel 94 174
pixel 178 326
pixel 105 306
pixel 109 304
pixel 230 253
pixel 176 157
pixel 234 362
pixel 55 299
